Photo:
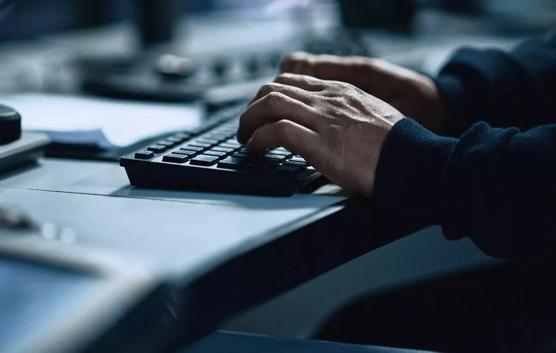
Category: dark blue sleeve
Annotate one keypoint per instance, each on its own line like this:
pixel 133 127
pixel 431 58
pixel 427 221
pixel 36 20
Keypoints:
pixel 494 185
pixel 504 89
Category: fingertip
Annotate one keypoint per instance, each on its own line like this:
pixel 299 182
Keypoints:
pixel 240 138
pixel 241 134
pixel 291 61
pixel 283 77
pixel 254 147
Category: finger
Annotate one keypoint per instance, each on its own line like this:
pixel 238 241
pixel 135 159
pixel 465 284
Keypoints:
pixel 271 108
pixel 304 82
pixel 357 70
pixel 290 135
pixel 290 91
pixel 296 63
pixel 328 67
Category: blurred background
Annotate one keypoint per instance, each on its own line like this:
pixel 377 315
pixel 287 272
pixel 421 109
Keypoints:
pixel 218 52
pixel 214 42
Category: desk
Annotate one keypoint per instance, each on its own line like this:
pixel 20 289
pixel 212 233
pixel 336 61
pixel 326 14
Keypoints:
pixel 207 256
pixel 210 254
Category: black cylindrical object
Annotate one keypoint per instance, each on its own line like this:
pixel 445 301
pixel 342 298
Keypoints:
pixel 156 20
pixel 10 125
pixel 396 15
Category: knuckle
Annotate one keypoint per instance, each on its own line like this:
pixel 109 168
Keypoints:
pixel 290 61
pixel 274 98
pixel 282 77
pixel 268 88
pixel 256 137
pixel 295 56
pixel 283 128
pixel 244 120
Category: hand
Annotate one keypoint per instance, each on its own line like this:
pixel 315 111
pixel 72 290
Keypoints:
pixel 413 94
pixel 338 128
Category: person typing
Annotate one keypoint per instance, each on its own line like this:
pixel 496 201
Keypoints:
pixel 473 150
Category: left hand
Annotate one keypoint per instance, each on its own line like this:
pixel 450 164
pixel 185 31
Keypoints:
pixel 410 92
pixel 335 126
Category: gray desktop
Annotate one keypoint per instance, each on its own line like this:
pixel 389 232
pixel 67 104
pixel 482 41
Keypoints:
pixel 107 267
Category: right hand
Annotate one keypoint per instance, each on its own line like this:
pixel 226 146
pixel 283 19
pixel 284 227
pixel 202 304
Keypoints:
pixel 338 128
pixel 413 94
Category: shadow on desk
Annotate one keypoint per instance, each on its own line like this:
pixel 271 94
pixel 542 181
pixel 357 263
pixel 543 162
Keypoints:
pixel 296 201
pixel 18 168
pixel 233 342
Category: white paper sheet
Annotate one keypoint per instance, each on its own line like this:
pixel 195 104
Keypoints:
pixel 105 123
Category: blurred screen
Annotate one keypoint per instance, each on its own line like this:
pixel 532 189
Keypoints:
pixel 28 18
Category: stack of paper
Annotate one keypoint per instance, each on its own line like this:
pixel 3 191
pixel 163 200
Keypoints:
pixel 103 123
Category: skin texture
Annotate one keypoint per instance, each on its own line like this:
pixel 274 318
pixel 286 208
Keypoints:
pixel 337 127
pixel 413 94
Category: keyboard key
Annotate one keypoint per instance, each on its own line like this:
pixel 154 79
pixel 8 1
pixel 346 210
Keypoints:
pixel 274 157
pixel 288 169
pixel 282 150
pixel 296 163
pixel 219 133
pixel 231 143
pixel 157 148
pixel 279 152
pixel 166 143
pixel 200 144
pixel 241 154
pixel 298 159
pixel 209 140
pixel 175 158
pixel 222 149
pixel 182 136
pixel 204 160
pixel 188 147
pixel 234 163
pixel 144 155
pixel 185 152
pixel 266 164
pixel 173 140
pixel 214 153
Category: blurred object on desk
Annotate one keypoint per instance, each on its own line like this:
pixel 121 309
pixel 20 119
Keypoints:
pixel 149 77
pixel 101 123
pixel 396 15
pixel 17 149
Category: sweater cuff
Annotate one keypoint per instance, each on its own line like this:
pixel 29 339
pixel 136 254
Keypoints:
pixel 410 176
pixel 482 85
pixel 452 93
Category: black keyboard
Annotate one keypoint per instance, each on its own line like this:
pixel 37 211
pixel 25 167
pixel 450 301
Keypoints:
pixel 211 159
pixel 143 77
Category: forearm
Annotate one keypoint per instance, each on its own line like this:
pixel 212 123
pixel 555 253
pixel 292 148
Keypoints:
pixel 501 88
pixel 494 185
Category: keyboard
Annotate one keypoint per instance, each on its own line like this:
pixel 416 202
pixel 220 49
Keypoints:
pixel 211 159
pixel 203 76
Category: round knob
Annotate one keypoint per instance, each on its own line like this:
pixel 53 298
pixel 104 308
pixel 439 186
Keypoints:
pixel 253 65
pixel 175 67
pixel 220 67
pixel 10 125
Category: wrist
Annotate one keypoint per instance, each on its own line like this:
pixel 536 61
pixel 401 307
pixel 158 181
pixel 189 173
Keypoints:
pixel 436 120
pixel 410 172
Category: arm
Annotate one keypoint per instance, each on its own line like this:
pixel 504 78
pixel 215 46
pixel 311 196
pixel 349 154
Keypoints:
pixel 491 85
pixel 501 88
pixel 497 186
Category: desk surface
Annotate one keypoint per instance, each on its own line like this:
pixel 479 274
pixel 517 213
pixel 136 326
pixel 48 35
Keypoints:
pixel 199 245
pixel 217 253
pixel 169 232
